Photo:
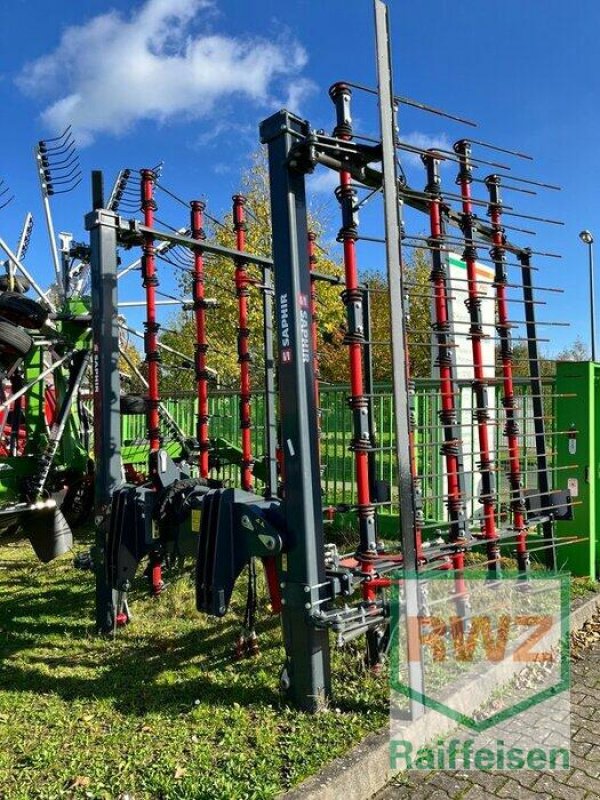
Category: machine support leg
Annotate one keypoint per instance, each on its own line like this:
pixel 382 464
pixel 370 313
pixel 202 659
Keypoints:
pixel 107 415
pixel 152 327
pixel 307 675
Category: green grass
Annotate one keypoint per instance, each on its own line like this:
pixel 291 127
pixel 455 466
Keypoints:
pixel 161 711
pixel 583 587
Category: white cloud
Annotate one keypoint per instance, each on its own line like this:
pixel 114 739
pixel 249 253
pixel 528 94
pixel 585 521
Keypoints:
pixel 114 70
pixel 222 128
pixel 423 141
pixel 323 181
pixel 298 91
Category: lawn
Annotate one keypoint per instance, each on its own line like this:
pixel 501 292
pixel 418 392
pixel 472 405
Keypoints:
pixel 160 711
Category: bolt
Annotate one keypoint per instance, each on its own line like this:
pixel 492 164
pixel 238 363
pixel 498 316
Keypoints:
pixel 307 588
pixel 282 585
pixel 307 606
pixel 283 601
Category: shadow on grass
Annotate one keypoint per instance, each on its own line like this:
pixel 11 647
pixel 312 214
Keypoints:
pixel 48 646
pixel 167 661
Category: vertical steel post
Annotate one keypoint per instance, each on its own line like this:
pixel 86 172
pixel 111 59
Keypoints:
pixel 537 401
pixel 307 675
pixel 402 424
pixel 511 430
pixel 354 339
pixel 201 348
pixel 476 333
pixel 244 357
pixel 150 282
pixel 107 414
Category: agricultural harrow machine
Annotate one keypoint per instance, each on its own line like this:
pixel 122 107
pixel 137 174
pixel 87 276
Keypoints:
pixel 315 588
pixel 179 507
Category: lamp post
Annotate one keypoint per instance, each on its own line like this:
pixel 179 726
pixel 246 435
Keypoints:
pixel 587 238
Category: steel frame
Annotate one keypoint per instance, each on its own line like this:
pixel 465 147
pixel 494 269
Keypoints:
pixel 308 582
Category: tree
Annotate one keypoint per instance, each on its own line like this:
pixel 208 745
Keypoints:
pixel 331 316
pixel 521 362
pixel 221 326
pixel 577 351
pixel 130 364
pixel 416 276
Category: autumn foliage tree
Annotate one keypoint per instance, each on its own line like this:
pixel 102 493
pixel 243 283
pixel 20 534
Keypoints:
pixel 221 325
pixel 222 355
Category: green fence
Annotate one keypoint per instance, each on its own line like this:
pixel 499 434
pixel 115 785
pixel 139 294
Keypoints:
pixel 336 426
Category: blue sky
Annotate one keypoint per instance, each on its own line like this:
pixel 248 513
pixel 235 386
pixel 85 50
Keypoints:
pixel 525 71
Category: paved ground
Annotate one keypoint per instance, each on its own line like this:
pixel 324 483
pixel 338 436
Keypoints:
pixel 581 783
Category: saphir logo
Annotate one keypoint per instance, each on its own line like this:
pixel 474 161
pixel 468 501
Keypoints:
pixel 284 329
pixel 284 323
pixel 304 327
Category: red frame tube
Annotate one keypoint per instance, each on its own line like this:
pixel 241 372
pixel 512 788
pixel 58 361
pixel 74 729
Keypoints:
pixel 357 386
pixel 489 519
pixel 150 282
pixel 312 262
pixel 447 393
pixel 508 401
pixel 242 291
pixel 197 208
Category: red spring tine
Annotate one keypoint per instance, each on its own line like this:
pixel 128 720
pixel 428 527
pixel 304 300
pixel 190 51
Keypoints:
pixel 447 385
pixel 242 291
pixel 150 283
pixel 463 149
pixel 508 400
pixel 312 262
pixel 340 94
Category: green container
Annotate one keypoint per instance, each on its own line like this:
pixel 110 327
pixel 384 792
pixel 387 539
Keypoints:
pixel 577 444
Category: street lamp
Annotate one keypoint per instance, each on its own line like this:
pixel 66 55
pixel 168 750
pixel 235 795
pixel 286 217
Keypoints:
pixel 587 238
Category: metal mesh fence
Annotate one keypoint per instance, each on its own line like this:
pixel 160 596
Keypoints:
pixel 336 425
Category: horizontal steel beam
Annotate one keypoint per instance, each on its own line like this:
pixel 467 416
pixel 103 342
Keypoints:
pixel 130 231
